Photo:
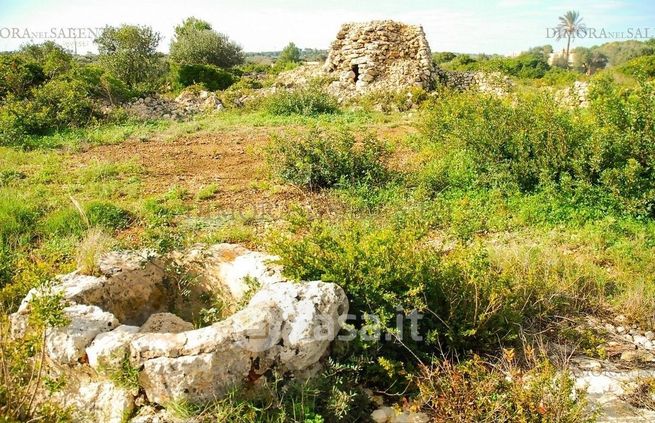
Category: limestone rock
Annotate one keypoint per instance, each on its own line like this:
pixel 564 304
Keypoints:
pixel 165 323
pixel 389 415
pixel 102 402
pixel 131 288
pixel 149 414
pixel 310 313
pixel 109 348
pixel 639 356
pixel 226 267
pixel 286 323
pixel 383 415
pixel 67 345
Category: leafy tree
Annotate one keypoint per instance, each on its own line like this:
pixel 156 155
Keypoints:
pixel 196 43
pixel 50 56
pixel 543 52
pixel 620 52
pixel 129 52
pixel 462 60
pixel 290 54
pixel 191 24
pixel 568 26
pixel 588 60
pixel 443 57
pixel 640 67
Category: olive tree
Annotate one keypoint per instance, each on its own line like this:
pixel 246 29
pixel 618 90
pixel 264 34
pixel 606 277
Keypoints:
pixel 196 42
pixel 129 52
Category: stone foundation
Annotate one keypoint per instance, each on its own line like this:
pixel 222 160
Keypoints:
pixel 125 314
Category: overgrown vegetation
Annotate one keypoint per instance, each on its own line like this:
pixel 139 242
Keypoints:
pixel 326 158
pixel 306 101
pixel 478 222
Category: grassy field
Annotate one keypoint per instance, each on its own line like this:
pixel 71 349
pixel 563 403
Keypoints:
pixel 499 219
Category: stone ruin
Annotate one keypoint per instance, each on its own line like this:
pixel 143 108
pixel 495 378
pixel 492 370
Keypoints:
pixel 386 56
pixel 140 309
pixel 380 55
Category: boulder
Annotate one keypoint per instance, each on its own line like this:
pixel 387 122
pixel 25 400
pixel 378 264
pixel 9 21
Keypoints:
pixel 165 323
pixel 108 349
pixel 286 324
pixel 67 345
pixel 101 402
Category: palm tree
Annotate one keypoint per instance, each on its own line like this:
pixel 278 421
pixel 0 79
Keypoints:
pixel 568 26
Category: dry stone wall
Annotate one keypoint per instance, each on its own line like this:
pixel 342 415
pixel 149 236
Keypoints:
pixel 380 55
pixel 119 316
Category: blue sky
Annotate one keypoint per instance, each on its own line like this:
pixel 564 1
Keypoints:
pixel 473 26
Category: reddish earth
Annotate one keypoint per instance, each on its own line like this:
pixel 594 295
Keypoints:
pixel 233 159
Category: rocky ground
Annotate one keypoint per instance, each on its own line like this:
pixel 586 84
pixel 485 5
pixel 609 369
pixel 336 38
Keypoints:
pixel 187 104
pixel 613 381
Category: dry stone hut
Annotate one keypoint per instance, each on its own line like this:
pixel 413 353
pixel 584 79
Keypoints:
pixel 380 55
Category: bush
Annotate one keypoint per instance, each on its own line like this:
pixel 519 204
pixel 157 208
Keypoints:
pixel 60 103
pixel 479 391
pixel 598 157
pixel 107 215
pixel 325 158
pixel 50 56
pixel 525 65
pixel 393 100
pixel 102 85
pixel 306 101
pixel 290 53
pixel 558 77
pixel 17 76
pixel 520 144
pixel 641 67
pixel 212 77
pixel 65 103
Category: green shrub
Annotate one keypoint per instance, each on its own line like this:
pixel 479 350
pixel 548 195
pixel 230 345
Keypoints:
pixel 290 53
pixel 212 77
pixel 325 158
pixel 17 76
pixel 66 103
pixel 386 271
pixel 102 85
pixel 306 101
pixel 58 104
pixel 641 67
pixel 108 216
pixel 525 65
pixel 50 56
pixel 557 77
pixel 393 100
pixel 520 144
pixel 532 144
